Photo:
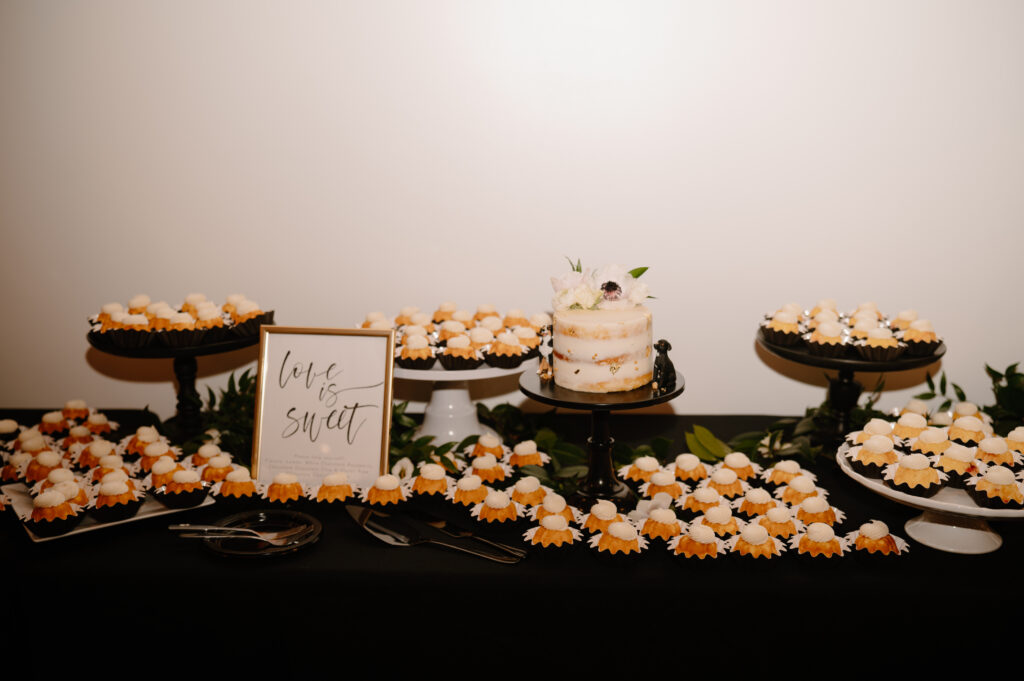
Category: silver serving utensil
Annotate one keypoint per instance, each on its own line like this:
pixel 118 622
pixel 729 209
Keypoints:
pixel 213 535
pixel 399 533
pixel 455 531
pixel 279 538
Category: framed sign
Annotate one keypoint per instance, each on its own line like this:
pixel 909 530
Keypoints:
pixel 323 404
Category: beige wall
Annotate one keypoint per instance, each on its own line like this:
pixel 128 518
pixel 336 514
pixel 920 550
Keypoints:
pixel 331 158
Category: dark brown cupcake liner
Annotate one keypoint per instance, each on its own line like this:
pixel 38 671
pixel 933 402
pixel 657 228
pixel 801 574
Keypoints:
pixel 880 354
pixel 955 480
pixel 453 363
pixel 916 491
pixel 108 514
pixel 922 348
pixel 985 501
pixel 868 470
pixel 180 339
pixel 826 349
pixel 181 499
pixel 53 528
pixel 776 337
pixel 504 361
pixel 129 339
pixel 420 363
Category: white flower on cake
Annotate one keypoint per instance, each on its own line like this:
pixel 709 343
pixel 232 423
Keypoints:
pixel 609 287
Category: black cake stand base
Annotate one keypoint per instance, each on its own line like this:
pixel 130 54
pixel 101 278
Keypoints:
pixel 601 481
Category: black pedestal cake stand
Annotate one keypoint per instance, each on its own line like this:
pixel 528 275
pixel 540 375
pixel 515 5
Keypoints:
pixel 844 391
pixel 601 482
pixel 187 422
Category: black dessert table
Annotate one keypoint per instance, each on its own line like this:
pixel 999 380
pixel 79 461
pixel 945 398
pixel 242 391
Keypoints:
pixel 348 594
pixel 601 481
pixel 844 390
pixel 187 422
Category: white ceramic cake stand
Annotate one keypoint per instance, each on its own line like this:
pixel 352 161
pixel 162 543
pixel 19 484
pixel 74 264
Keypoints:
pixel 450 415
pixel 951 520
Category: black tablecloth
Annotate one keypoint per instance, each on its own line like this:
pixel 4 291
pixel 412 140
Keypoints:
pixel 362 586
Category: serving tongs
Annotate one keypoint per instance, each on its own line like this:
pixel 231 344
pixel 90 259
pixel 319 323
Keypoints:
pixel 279 538
pixel 400 531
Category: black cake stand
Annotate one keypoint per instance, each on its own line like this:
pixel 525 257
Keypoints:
pixel 844 391
pixel 601 482
pixel 187 422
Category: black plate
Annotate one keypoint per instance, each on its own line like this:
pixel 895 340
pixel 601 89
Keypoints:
pixel 267 520
pixel 547 392
pixel 802 355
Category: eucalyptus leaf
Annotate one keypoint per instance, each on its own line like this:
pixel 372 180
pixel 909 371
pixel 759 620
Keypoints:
pixel 699 450
pixel 573 472
pixel 942 383
pixel 960 394
pixel 928 379
pixel 718 448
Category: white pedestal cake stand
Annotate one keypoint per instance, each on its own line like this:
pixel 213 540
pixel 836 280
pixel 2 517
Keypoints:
pixel 951 520
pixel 450 414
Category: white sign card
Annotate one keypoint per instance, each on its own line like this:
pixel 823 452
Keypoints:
pixel 323 404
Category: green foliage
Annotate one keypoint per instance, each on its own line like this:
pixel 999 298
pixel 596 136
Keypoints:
pixel 636 272
pixel 806 437
pixel 705 445
pixel 231 415
pixel 1008 388
pixel 403 442
pixel 940 391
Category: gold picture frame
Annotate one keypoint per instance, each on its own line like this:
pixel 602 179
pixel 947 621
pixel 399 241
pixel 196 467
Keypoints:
pixel 323 403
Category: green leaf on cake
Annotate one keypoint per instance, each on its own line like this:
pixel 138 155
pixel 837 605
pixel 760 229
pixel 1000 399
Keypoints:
pixel 637 271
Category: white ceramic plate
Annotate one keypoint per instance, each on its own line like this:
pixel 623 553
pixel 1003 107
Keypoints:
pixel 21 500
pixel 947 500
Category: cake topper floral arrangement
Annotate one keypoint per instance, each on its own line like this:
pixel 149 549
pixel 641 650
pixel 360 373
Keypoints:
pixel 609 287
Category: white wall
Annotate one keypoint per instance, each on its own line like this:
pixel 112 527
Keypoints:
pixel 331 158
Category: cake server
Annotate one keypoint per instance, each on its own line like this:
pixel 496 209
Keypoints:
pixel 401 531
pixel 453 530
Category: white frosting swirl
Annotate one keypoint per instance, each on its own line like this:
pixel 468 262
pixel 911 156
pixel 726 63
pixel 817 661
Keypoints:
pixel 724 476
pixel 525 447
pixel 187 476
pixel 754 534
pixel 604 510
pixel 469 483
pixel 706 495
pixel 527 485
pixel 912 420
pixel 622 530
pixel 820 533
pixel 497 500
pixel 662 479
pixel 999 475
pixel 687 461
pixel 914 462
pixel 555 523
pixel 666 516
pixel 554 503
pixel 387 482
pixel 814 504
pixel 874 529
